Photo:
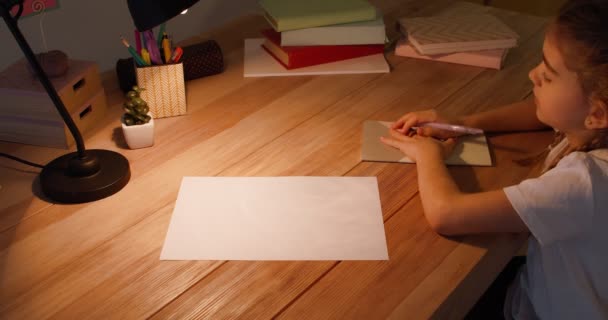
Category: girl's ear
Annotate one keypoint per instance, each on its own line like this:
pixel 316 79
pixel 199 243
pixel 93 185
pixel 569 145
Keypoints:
pixel 598 115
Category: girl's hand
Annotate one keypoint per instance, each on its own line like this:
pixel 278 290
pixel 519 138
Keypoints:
pixel 412 119
pixel 419 147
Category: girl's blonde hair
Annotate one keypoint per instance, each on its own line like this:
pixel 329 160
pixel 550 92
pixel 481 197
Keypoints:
pixel 581 31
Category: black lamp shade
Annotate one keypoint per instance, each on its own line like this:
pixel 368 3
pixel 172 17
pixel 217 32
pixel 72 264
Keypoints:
pixel 147 14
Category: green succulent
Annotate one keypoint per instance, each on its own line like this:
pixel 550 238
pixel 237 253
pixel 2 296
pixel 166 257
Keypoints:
pixel 136 109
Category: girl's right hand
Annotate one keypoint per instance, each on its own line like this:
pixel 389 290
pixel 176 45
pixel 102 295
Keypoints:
pixel 413 119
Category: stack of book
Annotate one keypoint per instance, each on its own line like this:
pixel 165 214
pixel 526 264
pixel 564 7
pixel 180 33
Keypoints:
pixel 314 32
pixel 477 39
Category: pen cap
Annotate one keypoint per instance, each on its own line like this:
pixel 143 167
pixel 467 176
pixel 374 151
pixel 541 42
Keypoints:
pixel 202 59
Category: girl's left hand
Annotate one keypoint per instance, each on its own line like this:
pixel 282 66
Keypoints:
pixel 418 146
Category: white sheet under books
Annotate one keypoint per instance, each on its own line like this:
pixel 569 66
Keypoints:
pixel 276 218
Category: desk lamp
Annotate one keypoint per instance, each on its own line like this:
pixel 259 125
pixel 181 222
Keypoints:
pixel 87 175
pixel 147 14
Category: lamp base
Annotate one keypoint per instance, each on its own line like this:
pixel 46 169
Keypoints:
pixel 69 179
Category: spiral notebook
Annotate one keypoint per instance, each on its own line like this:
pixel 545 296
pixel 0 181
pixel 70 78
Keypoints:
pixel 457 33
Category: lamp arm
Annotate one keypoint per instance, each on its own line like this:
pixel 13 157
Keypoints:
pixel 76 177
pixel 46 83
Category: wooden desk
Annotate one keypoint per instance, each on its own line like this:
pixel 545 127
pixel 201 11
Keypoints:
pixel 101 259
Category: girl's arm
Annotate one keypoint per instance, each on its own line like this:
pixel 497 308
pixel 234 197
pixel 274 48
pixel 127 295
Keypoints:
pixel 451 212
pixel 448 210
pixel 519 116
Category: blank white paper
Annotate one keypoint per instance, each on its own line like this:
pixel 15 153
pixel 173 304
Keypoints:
pixel 276 218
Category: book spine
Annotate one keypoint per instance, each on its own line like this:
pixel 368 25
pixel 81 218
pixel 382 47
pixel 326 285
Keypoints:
pixel 271 20
pixel 464 47
pixel 269 51
pixel 315 55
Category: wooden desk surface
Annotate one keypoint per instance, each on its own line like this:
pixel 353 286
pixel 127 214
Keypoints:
pixel 101 259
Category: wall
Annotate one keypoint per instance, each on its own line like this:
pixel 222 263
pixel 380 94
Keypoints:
pixel 91 30
pixel 536 7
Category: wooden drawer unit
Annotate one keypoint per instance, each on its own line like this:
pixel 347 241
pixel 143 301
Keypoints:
pixel 27 114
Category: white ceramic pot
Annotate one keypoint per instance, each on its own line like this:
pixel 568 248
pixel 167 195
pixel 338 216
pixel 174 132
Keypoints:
pixel 139 136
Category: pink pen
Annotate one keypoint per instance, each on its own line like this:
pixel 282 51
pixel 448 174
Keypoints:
pixel 450 127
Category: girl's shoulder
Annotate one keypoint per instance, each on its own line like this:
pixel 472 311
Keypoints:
pixel 586 161
pixel 600 154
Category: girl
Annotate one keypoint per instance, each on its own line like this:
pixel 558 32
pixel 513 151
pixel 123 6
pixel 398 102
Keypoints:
pixel 566 208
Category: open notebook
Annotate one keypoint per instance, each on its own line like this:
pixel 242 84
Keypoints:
pixel 470 150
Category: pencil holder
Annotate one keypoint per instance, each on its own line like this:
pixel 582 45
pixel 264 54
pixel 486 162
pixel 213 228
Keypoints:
pixel 165 91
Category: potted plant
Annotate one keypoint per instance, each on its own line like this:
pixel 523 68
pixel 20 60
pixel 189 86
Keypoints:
pixel 137 122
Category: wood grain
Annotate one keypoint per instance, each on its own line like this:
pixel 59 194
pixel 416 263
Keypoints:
pixel 101 260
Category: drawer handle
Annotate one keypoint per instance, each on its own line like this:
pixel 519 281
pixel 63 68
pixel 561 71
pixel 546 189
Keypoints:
pixel 86 111
pixel 78 84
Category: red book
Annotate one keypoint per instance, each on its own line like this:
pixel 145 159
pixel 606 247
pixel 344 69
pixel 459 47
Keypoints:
pixel 305 56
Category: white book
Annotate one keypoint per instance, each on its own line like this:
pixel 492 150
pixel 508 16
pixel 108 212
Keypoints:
pixel 258 63
pixel 361 32
pixel 457 33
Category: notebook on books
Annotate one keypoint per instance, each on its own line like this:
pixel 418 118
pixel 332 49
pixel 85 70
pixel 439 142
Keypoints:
pixel 290 15
pixel 470 151
pixel 492 59
pixel 457 33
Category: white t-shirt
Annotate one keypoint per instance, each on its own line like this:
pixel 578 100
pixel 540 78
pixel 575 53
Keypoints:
pixel 566 210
